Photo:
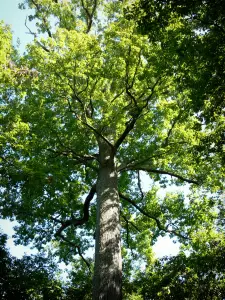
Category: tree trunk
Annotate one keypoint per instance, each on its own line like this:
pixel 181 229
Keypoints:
pixel 108 261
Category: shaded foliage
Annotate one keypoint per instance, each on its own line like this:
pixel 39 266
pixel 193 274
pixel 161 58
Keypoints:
pixel 31 277
pixel 196 275
pixel 192 34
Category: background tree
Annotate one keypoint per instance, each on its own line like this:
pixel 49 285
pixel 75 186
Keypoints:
pixel 31 277
pixel 89 106
pixel 195 275
pixel 194 31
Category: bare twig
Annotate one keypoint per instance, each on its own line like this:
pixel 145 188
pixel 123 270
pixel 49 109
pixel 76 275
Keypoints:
pixel 35 36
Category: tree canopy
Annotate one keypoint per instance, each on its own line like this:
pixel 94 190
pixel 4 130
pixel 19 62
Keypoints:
pixel 91 105
pixel 194 32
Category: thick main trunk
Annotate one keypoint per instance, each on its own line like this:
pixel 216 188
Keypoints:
pixel 108 262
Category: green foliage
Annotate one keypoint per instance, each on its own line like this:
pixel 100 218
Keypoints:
pixel 80 285
pixel 195 275
pixel 91 76
pixel 191 35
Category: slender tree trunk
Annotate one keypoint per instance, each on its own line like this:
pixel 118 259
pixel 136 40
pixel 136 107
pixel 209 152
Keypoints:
pixel 108 262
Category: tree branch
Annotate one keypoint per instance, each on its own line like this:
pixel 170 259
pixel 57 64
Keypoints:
pixel 35 36
pixel 139 185
pixel 77 247
pixel 89 14
pixel 158 223
pixel 176 119
pixel 149 97
pixel 129 86
pixel 136 69
pixel 129 127
pixel 43 18
pixel 131 162
pixel 76 222
pixel 136 167
pixel 131 223
pixel 89 125
pixel 80 158
pixel 97 133
pixel 117 96
pixel 84 219
pixel 135 115
pixel 127 230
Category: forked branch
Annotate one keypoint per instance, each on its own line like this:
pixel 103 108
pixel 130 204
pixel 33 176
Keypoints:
pixel 135 114
pixel 89 13
pixel 76 247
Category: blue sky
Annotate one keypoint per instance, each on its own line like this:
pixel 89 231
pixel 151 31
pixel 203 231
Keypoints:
pixel 13 16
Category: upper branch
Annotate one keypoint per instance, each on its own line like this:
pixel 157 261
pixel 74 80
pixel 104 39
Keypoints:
pixel 89 14
pixel 158 223
pixel 43 18
pixel 149 97
pixel 139 185
pixel 35 35
pixel 136 113
pixel 176 119
pixel 129 127
pixel 97 132
pixel 85 122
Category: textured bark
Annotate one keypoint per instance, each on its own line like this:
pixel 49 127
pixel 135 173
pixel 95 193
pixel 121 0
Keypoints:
pixel 108 262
